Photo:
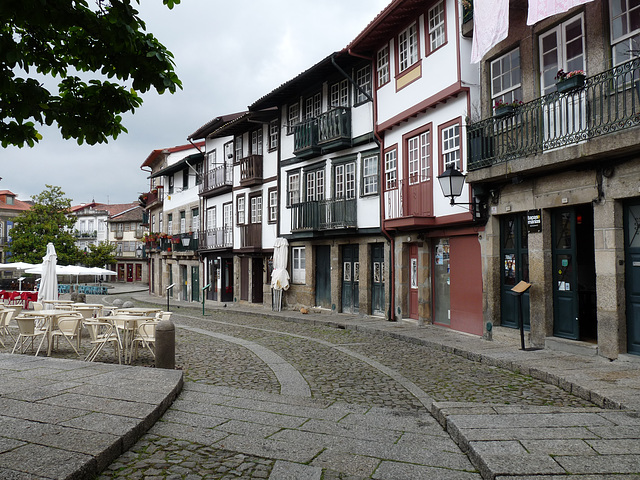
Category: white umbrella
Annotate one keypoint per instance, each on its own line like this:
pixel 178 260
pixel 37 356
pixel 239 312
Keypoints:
pixel 101 271
pixel 49 281
pixel 280 275
pixel 16 266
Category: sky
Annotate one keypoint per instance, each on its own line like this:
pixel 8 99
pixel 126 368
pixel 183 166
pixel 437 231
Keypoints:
pixel 227 54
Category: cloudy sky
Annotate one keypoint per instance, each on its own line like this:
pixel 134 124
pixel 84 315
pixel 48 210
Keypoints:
pixel 227 54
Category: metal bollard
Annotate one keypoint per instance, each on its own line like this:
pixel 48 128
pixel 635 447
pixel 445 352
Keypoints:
pixel 166 344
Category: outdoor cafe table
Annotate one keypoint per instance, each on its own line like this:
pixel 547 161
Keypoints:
pixel 143 311
pixel 50 316
pixel 128 325
pixel 84 307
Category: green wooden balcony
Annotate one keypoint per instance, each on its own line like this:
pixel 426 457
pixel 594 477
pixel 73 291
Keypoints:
pixel 251 170
pixel 331 214
pixel 328 132
pixel 605 104
pixel 217 181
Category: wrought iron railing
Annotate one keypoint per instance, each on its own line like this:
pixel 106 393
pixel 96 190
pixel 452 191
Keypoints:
pixel 220 237
pixel 467 10
pixel 607 103
pixel 218 177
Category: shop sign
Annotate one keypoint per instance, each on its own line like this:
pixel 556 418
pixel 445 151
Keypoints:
pixel 534 221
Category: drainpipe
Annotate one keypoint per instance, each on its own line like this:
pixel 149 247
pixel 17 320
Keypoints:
pixel 392 290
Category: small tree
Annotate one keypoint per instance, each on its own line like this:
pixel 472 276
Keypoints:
pixel 100 255
pixel 45 222
pixel 104 40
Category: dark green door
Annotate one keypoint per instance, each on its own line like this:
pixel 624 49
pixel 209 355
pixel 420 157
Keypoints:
pixel 323 276
pixel 377 279
pixel 514 252
pixel 565 275
pixel 632 262
pixel 195 284
pixel 350 279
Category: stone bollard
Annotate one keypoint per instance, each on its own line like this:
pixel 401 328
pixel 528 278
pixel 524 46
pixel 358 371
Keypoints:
pixel 166 344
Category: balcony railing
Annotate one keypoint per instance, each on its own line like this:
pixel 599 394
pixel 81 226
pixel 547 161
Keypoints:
pixel 251 236
pixel 251 170
pixel 328 132
pixel 221 237
pixel 329 214
pixel 153 197
pixel 119 234
pixel 185 242
pixel 607 103
pixel 217 179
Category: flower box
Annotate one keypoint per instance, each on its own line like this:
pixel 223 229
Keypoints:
pixel 504 111
pixel 570 83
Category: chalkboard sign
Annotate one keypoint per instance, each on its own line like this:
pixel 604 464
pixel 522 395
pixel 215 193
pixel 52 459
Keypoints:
pixel 534 221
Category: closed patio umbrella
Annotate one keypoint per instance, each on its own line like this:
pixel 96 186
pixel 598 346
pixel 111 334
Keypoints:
pixel 49 281
pixel 280 275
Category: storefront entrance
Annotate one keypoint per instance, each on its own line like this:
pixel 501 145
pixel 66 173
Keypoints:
pixel 350 278
pixel 377 279
pixel 632 280
pixel 574 280
pixel 514 254
pixel 323 276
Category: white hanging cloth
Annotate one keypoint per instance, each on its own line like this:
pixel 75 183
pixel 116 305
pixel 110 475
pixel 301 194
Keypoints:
pixel 541 9
pixel 490 26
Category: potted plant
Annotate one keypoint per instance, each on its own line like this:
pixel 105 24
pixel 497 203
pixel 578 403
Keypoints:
pixel 502 109
pixel 567 81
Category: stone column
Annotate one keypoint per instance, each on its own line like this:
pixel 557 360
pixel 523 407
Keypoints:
pixel 541 279
pixel 609 258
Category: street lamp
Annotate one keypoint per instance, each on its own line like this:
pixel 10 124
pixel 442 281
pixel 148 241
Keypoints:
pixel 451 182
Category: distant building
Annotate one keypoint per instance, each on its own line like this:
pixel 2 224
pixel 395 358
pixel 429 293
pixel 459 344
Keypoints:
pixel 91 222
pixel 125 232
pixel 10 207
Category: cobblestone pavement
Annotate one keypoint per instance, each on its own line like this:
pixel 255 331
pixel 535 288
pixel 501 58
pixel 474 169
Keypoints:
pixel 339 366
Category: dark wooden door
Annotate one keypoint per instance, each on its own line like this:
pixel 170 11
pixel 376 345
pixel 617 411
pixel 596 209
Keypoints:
pixel 413 281
pixel 565 275
pixel 323 276
pixel 377 279
pixel 257 280
pixel 632 243
pixel 350 279
pixel 514 252
pixel 129 272
pixel 244 278
pixel 227 280
pixel 195 284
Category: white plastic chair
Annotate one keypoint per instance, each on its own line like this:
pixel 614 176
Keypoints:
pixel 27 330
pixel 68 326
pixel 146 336
pixel 5 317
pixel 163 316
pixel 37 306
pixel 102 333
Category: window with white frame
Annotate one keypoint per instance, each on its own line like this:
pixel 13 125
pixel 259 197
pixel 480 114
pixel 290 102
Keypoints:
pixel 436 26
pixel 314 185
pixel 561 48
pixel 195 219
pixel 369 174
pixel 256 209
pixel 273 205
pixel 339 94
pixel 625 30
pixel 382 65
pixel 363 80
pixel 153 223
pixel 451 147
pixel 199 171
pixel 294 116
pixel 227 219
pixel 419 157
pixel 183 222
pixel 170 223
pixel 298 265
pixel 102 224
pixel 160 220
pixel 211 159
pixel 391 169
pixel 240 209
pixel 273 135
pixel 506 79
pixel 313 106
pixel 408 47
pixel 228 153
pixel 293 188
pixel 237 145
pixel 345 180
pixel 211 218
pixel 256 142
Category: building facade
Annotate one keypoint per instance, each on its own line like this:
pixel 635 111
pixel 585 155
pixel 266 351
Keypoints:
pixel 10 207
pixel 420 117
pixel 126 230
pixel 562 168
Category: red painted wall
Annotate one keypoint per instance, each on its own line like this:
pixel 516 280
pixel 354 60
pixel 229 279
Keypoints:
pixel 466 284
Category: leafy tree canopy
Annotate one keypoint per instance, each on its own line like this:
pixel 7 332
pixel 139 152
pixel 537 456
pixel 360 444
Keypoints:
pixel 59 38
pixel 45 222
pixel 100 255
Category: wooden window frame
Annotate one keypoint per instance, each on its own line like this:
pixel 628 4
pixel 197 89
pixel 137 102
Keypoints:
pixel 428 31
pixel 390 184
pixel 441 128
pixel 380 67
pixel 240 199
pixel 272 194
